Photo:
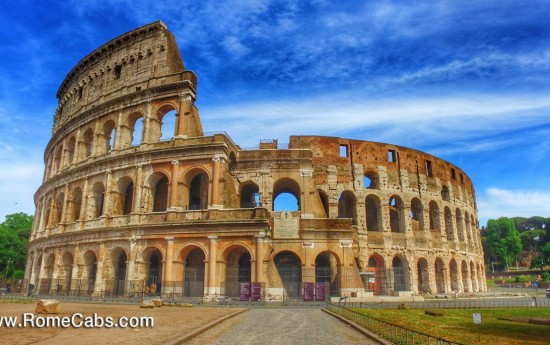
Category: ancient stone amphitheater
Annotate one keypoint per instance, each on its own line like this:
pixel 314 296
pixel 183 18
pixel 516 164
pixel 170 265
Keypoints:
pixel 135 194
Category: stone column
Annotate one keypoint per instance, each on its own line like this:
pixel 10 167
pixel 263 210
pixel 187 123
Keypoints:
pixel 99 283
pixel 32 277
pixel 42 214
pixel 107 197
pixel 84 205
pixel 212 287
pixel 174 185
pixel 169 260
pixel 216 182
pixel 139 189
pixel 183 115
pixel 74 269
pixel 259 258
pixel 65 204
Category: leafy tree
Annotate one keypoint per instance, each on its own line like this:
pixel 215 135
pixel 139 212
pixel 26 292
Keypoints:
pixel 14 235
pixel 533 240
pixel 503 239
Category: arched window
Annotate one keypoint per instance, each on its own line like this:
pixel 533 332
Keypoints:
pixel 109 134
pixel 88 142
pixel 449 224
pixel 168 126
pixel 57 159
pixel 374 216
pixel 160 199
pixel 59 207
pixel 347 206
pixel 459 225
pixel 125 195
pixel 286 195
pixel 198 192
pixel 445 194
pixel 77 204
pixel 417 214
pixel 396 214
pixel 70 149
pixel 324 201
pixel 137 131
pixel 250 196
pixel 371 180
pixel 434 216
pixel 98 196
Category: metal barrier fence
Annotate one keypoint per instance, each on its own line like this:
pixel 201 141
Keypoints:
pixel 515 302
pixel 395 334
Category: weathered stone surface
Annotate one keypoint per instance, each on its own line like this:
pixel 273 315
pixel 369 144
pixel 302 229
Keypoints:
pixel 157 302
pixel 47 306
pixel 147 303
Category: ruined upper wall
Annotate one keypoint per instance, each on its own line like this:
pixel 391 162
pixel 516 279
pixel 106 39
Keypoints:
pixel 137 60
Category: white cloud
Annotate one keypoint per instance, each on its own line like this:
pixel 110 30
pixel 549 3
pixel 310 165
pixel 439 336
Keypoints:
pixel 496 202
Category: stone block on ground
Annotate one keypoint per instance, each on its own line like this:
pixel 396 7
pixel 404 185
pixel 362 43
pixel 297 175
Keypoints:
pixel 47 306
pixel 147 303
pixel 157 302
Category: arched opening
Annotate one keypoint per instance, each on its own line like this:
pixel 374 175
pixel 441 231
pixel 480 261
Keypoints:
pixel 327 270
pixel 198 192
pixel 434 216
pixel 449 224
pixel 193 275
pixel 77 204
pixel 440 276
pixel 445 194
pixel 250 195
pixel 90 266
pixel 97 201
pixel 47 284
pixel 377 272
pixel 136 127
pixel 347 206
pixel 238 270
pixel 67 273
pixel 109 135
pixel 154 271
pixel 400 274
pixel 119 264
pixel 57 159
pixel 49 214
pixel 465 275
pixel 324 201
pixel 423 276
pixel 60 201
pixel 125 195
pixel 289 267
pixel 459 225
pixel 286 196
pixel 373 213
pixel 371 180
pixel 168 125
pixel 160 197
pixel 468 228
pixel 88 142
pixel 70 150
pixel 396 214
pixel 417 215
pixel 455 279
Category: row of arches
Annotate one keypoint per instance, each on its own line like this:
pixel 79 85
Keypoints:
pixel 113 134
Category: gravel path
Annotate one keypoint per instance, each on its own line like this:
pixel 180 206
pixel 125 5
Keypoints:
pixel 282 326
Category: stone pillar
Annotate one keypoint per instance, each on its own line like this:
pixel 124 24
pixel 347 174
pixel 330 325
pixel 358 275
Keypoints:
pixel 84 205
pixel 146 123
pixel 139 190
pixel 65 204
pixel 77 155
pixel 74 269
pixel 99 283
pixel 42 214
pixel 212 287
pixel 183 115
pixel 32 277
pixel 259 259
pixel 216 182
pixel 169 260
pixel 174 185
pixel 107 197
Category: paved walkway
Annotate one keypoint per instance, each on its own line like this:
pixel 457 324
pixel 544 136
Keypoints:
pixel 282 326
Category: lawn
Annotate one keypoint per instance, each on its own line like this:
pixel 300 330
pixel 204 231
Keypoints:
pixel 457 324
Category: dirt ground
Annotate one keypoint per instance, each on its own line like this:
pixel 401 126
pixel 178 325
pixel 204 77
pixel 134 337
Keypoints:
pixel 169 323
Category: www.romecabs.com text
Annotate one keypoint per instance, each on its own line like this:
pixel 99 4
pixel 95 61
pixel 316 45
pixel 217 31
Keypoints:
pixel 76 320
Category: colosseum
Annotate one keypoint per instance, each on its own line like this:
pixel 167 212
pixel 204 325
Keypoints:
pixel 137 199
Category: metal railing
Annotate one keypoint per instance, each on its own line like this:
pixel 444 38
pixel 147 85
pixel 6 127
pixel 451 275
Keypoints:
pixel 395 334
pixel 524 302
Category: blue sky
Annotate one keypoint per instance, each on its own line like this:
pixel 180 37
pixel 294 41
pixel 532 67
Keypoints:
pixel 468 81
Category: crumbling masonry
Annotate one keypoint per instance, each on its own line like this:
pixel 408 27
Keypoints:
pixel 127 203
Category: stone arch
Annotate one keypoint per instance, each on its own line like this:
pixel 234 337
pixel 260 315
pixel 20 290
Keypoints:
pixel 440 276
pixel 198 182
pixel 66 272
pixel 153 258
pixel 371 180
pixel 449 223
pixel 47 284
pixel 459 225
pixel 57 159
pixel 445 193
pixel 71 147
pixel 396 214
pixel 88 142
pixel 455 279
pixel 238 269
pixel 96 204
pixel 400 273
pixel 289 268
pixel 49 212
pixel 89 272
pixel 250 195
pixel 347 206
pixel 109 136
pixel 119 259
pixel 423 271
pixel 376 269
pixel 124 200
pixel 193 257
pixel 158 189
pixel 164 125
pixel 417 215
pixel 286 186
pixel 324 201
pixel 59 207
pixel 465 276
pixel 327 270
pixel 434 217
pixel 76 205
pixel 133 133
pixel 373 212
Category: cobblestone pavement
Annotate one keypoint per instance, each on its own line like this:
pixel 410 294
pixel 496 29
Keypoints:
pixel 282 326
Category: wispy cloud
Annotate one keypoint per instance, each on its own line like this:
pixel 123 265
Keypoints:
pixel 495 203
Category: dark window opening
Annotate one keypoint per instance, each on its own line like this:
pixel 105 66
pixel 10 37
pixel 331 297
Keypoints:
pixel 80 93
pixel 392 156
pixel 161 195
pixel 453 174
pixel 117 71
pixel 461 178
pixel 128 198
pixel 429 171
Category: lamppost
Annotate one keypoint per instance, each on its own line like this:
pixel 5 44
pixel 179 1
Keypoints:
pixel 6 271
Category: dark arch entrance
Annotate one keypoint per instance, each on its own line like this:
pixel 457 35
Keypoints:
pixel 193 275
pixel 154 273
pixel 289 268
pixel 327 270
pixel 120 273
pixel 237 271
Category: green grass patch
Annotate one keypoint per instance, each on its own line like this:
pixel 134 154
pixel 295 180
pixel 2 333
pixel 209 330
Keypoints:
pixel 457 324
pixel 17 301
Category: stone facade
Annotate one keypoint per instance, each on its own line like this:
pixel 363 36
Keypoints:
pixel 126 203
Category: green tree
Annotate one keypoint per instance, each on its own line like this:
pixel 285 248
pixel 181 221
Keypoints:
pixel 503 239
pixel 533 240
pixel 14 235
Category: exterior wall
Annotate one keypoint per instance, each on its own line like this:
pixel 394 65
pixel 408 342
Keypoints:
pixel 115 214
